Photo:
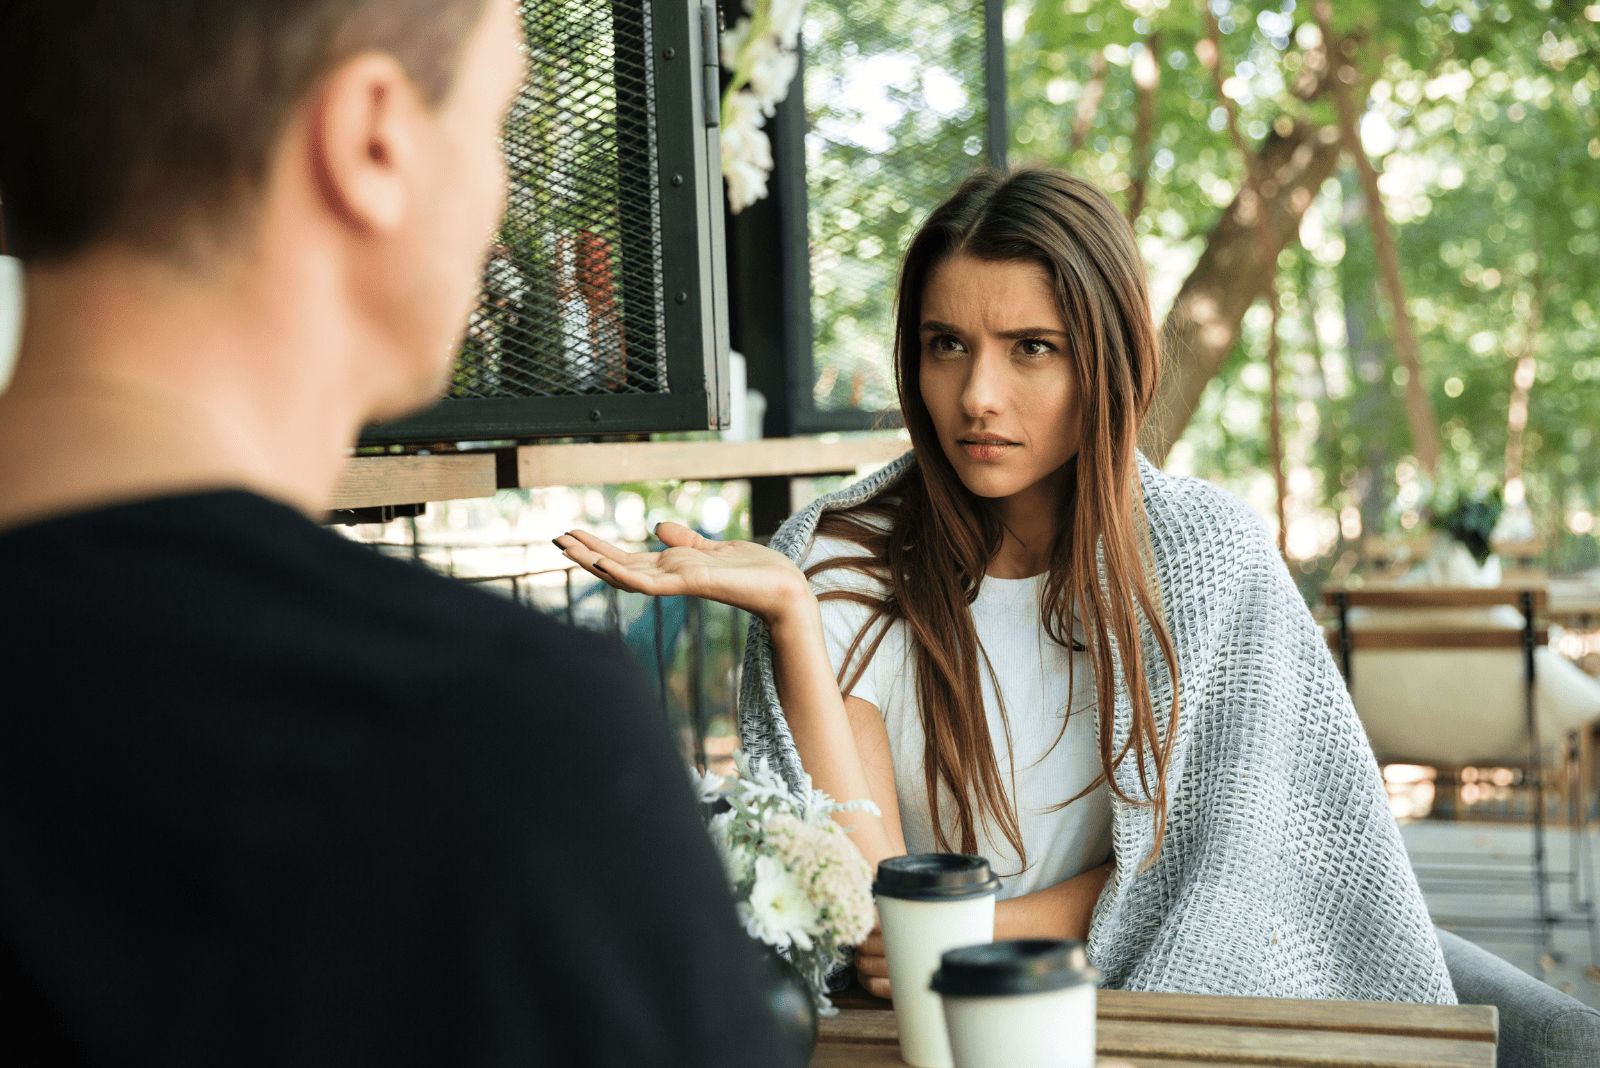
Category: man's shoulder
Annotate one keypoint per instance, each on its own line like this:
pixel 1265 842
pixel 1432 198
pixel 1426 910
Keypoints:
pixel 240 582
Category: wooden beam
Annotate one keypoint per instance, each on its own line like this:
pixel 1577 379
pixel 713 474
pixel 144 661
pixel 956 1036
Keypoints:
pixel 1373 595
pixel 1439 638
pixel 372 481
pixel 610 462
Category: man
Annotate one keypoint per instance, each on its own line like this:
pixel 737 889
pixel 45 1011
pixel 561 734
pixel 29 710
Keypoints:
pixel 267 797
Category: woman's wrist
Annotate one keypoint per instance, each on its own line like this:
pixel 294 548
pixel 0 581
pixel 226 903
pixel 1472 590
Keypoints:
pixel 1059 911
pixel 799 616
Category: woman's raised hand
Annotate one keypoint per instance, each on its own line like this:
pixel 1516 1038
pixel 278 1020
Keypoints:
pixel 759 580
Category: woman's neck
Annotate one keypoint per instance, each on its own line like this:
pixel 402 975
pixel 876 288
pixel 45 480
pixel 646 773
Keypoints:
pixel 1031 520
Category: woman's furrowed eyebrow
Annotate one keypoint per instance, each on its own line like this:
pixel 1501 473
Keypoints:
pixel 933 326
pixel 1031 331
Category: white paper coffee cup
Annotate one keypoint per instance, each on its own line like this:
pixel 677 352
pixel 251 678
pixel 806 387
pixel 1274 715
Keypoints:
pixel 1025 1004
pixel 928 903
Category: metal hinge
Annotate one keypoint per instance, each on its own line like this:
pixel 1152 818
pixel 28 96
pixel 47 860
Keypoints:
pixel 711 64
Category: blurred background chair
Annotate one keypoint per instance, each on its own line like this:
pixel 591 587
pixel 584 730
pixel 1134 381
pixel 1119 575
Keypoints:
pixel 1458 677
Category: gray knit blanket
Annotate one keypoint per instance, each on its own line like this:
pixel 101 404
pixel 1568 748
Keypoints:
pixel 1282 873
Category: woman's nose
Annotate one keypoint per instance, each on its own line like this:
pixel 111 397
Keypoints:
pixel 984 392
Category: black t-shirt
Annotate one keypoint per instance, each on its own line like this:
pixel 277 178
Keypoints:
pixel 268 797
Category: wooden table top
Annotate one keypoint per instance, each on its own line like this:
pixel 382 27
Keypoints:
pixel 1190 1030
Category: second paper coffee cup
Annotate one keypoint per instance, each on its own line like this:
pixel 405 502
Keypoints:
pixel 928 903
pixel 1024 1004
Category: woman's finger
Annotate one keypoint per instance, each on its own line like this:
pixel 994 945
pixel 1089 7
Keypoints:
pixel 616 575
pixel 872 945
pixel 596 572
pixel 597 565
pixel 870 965
pixel 633 580
pixel 575 551
pixel 877 987
pixel 601 547
pixel 681 537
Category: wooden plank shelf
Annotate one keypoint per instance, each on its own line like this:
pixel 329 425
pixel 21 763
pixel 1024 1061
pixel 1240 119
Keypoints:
pixel 380 481
pixel 607 462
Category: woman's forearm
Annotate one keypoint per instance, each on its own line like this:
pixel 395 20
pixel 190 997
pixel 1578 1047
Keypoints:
pixel 821 728
pixel 1059 911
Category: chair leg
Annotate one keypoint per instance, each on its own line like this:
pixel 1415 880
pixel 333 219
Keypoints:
pixel 1541 864
pixel 1583 880
pixel 1536 763
pixel 1571 778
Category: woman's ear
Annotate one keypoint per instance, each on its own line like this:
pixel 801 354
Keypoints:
pixel 365 137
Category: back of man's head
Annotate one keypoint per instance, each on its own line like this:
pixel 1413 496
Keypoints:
pixel 152 122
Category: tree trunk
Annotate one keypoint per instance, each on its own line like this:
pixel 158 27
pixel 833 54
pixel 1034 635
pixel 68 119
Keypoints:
pixel 1237 266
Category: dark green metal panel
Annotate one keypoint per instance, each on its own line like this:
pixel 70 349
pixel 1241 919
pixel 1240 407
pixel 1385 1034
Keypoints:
pixel 902 100
pixel 603 308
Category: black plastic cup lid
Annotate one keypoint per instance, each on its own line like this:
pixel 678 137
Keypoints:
pixel 935 877
pixel 997 969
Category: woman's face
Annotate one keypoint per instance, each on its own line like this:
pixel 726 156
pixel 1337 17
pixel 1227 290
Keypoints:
pixel 995 375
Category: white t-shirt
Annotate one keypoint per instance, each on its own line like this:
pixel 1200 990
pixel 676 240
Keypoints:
pixel 1032 673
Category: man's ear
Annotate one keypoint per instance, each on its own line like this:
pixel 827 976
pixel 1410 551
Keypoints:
pixel 364 141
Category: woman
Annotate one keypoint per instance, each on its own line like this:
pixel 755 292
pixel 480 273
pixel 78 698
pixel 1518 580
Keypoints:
pixel 1024 640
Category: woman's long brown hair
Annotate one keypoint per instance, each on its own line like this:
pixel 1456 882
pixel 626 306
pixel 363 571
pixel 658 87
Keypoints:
pixel 930 545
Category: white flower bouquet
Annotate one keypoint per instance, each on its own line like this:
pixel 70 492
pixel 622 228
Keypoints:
pixel 759 52
pixel 801 885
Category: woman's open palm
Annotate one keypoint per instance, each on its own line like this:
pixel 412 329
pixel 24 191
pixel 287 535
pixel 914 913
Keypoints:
pixel 759 580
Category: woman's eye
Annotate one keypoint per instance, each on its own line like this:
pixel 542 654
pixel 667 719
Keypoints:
pixel 945 343
pixel 1035 347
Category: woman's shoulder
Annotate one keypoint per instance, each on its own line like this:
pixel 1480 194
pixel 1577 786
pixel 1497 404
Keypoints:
pixel 1198 518
pixel 836 561
pixel 794 538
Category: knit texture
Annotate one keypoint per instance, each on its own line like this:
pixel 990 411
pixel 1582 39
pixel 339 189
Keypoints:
pixel 1282 873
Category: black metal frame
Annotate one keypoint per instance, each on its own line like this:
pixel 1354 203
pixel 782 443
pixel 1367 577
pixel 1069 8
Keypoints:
pixel 791 409
pixel 694 278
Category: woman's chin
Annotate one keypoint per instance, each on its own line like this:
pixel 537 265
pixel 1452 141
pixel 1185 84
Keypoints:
pixel 992 483
pixel 999 480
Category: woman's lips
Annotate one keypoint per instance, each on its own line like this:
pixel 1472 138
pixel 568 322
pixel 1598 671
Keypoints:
pixel 986 449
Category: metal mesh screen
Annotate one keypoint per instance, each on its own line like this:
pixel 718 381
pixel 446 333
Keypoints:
pixel 572 292
pixel 895 110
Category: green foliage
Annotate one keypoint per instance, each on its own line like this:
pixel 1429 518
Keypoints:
pixel 1469 519
pixel 1482 120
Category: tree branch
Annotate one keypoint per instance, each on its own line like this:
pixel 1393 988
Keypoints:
pixel 1522 378
pixel 1147 77
pixel 1419 408
pixel 1211 57
pixel 1275 422
pixel 1089 102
